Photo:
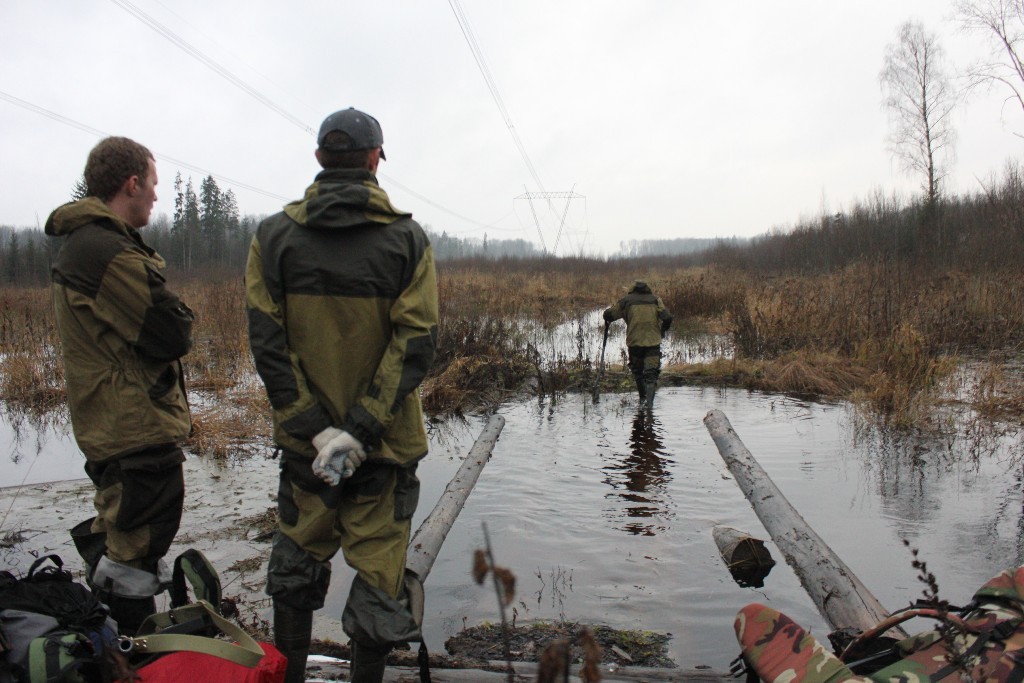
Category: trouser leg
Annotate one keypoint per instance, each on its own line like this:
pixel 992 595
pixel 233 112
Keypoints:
pixel 299 570
pixel 293 631
pixel 368 662
pixel 636 366
pixel 384 605
pixel 138 501
pixel 651 370
pixel 369 517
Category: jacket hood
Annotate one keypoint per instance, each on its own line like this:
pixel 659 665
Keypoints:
pixel 640 287
pixel 71 216
pixel 343 198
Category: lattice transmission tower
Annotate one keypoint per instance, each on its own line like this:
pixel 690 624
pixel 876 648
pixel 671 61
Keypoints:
pixel 553 217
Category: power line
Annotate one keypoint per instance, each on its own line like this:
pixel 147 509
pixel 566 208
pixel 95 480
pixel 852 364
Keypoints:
pixel 208 61
pixel 100 134
pixel 481 63
pixel 192 167
pixel 235 80
pixel 432 203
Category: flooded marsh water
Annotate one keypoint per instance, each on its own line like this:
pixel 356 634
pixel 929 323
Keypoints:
pixel 605 515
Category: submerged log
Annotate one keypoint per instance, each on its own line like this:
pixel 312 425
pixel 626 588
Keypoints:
pixel 841 599
pixel 746 557
pixel 426 542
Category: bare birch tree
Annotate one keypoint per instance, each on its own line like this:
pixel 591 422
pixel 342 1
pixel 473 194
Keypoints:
pixel 1002 23
pixel 920 100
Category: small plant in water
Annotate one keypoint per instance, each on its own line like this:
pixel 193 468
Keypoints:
pixel 948 628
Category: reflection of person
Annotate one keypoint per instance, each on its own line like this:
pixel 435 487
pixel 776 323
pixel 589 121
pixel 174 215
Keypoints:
pixel 647 321
pixel 122 334
pixel 646 474
pixel 342 301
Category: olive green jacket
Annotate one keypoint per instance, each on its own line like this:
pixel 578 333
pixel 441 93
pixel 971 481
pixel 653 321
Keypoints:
pixel 121 331
pixel 342 304
pixel 646 317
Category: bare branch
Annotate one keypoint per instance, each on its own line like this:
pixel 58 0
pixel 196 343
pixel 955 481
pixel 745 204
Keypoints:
pixel 1002 24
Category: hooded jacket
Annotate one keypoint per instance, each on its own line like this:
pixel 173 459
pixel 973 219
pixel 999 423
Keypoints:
pixel 342 305
pixel 121 332
pixel 646 317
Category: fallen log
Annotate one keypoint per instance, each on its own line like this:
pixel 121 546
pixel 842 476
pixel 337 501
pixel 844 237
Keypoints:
pixel 426 542
pixel 746 557
pixel 841 599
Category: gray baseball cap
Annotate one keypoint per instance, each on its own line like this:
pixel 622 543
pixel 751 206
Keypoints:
pixel 362 129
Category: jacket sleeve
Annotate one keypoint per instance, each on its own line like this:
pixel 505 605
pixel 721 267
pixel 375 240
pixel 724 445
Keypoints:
pixel 408 357
pixel 615 312
pixel 134 300
pixel 295 408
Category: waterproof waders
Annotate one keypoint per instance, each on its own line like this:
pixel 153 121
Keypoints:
pixel 293 630
pixel 368 663
pixel 128 612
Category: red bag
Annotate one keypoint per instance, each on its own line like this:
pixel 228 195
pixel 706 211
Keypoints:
pixel 196 667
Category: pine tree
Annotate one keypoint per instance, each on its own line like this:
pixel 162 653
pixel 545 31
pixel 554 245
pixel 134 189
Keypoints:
pixel 80 190
pixel 211 219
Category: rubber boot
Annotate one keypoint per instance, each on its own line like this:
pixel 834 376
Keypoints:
pixel 293 629
pixel 129 613
pixel 368 663
pixel 640 388
pixel 649 390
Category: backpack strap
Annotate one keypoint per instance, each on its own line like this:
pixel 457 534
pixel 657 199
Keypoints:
pixel 57 571
pixel 201 575
pixel 58 656
pixel 244 650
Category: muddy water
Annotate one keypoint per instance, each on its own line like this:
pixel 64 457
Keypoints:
pixel 605 516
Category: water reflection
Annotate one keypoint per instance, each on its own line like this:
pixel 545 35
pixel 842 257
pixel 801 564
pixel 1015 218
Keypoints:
pixel 642 476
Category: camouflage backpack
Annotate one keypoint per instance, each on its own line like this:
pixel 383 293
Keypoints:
pixel 981 642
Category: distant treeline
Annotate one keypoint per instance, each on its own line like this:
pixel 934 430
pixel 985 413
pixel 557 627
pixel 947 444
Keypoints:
pixel 672 247
pixel 984 229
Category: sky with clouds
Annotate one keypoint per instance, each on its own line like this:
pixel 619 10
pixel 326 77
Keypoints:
pixel 660 118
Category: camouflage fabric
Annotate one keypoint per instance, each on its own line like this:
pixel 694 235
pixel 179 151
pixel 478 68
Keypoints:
pixel 989 653
pixel 645 363
pixel 988 647
pixel 778 649
pixel 369 517
pixel 122 332
pixel 341 294
pixel 646 317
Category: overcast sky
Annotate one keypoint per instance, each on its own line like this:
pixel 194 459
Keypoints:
pixel 666 118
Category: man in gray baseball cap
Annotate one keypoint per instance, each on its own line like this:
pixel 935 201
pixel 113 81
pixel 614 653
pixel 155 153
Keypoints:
pixel 360 131
pixel 341 293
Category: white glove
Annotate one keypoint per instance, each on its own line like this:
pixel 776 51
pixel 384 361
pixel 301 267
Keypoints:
pixel 338 455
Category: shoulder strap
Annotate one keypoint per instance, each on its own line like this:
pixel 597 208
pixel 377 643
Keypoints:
pixel 201 575
pixel 244 650
pixel 57 571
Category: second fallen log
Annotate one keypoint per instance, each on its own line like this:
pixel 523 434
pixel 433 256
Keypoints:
pixel 746 557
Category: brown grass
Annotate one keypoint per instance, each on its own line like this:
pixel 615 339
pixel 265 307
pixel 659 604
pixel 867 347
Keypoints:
pixel 870 332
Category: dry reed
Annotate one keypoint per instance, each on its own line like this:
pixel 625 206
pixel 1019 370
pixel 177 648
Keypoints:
pixel 874 332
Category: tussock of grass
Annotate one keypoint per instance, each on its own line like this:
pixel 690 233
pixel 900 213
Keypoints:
pixel 998 394
pixel 817 373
